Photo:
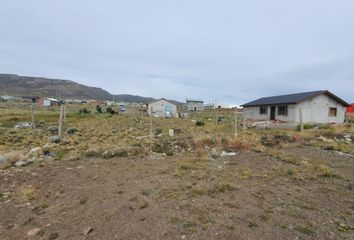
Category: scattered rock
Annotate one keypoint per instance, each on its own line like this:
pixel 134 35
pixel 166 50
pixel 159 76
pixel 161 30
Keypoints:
pixel 41 123
pixel 53 236
pixel 115 153
pixel 227 154
pixel 20 163
pixel 53 129
pixel 23 125
pixel 55 139
pixel 214 153
pixel 347 136
pixel 33 232
pixel 92 153
pixel 326 140
pixel 87 230
pixel 157 156
pixel 72 130
pixel 35 152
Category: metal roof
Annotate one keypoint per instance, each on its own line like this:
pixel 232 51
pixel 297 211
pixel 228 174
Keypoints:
pixel 292 99
pixel 194 100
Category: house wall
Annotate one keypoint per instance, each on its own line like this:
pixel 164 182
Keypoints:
pixel 252 113
pixel 157 109
pixel 195 106
pixel 315 110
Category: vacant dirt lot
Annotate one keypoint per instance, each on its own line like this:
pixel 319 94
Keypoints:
pixel 107 178
pixel 247 196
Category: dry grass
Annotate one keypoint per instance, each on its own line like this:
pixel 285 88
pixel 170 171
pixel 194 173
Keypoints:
pixel 28 193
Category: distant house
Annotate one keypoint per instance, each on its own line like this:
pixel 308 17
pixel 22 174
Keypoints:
pixel 162 108
pixel 316 107
pixel 209 106
pixel 194 105
pixel 48 102
pixel 10 98
pixel 350 109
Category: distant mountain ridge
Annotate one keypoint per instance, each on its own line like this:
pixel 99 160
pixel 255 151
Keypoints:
pixel 16 85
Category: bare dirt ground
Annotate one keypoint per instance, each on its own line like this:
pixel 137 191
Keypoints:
pixel 247 196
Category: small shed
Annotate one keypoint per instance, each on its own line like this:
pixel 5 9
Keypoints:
pixel 162 108
pixel 195 105
pixel 48 102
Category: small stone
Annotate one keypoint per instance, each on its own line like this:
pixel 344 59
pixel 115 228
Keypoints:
pixel 55 139
pixel 87 230
pixel 53 129
pixel 72 130
pixel 20 163
pixel 33 232
pixel 227 154
pixel 53 236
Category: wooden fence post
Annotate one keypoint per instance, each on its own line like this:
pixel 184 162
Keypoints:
pixel 61 120
pixel 32 113
pixel 244 121
pixel 301 120
pixel 151 134
pixel 235 133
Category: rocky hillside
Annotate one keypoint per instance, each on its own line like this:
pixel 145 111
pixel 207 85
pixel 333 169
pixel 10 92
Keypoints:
pixel 35 86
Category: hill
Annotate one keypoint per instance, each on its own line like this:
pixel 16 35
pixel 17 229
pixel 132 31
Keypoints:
pixel 16 85
pixel 36 86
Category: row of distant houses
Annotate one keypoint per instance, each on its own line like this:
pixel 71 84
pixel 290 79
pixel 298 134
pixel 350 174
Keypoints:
pixel 308 107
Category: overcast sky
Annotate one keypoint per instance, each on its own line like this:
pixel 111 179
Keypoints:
pixel 230 50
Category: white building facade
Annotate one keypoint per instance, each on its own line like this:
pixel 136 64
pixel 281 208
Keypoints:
pixel 162 108
pixel 315 107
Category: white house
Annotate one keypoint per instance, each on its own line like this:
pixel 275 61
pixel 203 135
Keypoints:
pixel 162 108
pixel 194 105
pixel 315 107
pixel 47 102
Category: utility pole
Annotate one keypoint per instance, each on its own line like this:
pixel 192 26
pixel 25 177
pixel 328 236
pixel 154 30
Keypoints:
pixel 61 119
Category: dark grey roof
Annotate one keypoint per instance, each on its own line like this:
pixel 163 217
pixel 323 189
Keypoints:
pixel 292 99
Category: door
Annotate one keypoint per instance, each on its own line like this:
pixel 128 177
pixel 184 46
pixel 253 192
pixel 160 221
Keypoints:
pixel 168 111
pixel 272 113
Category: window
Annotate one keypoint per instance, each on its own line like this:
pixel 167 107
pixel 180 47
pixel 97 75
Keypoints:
pixel 283 110
pixel 333 112
pixel 262 110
